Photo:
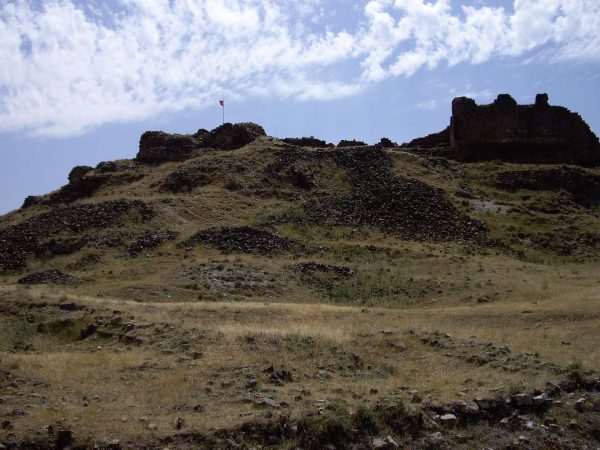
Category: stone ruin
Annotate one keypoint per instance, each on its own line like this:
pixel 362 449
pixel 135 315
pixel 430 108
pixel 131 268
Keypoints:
pixel 158 147
pixel 504 130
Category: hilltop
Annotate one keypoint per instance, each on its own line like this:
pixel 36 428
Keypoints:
pixel 229 289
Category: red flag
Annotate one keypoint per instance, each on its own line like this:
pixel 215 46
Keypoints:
pixel 222 102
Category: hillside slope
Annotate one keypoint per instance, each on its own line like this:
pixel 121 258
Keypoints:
pixel 300 297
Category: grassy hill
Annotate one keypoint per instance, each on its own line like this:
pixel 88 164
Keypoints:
pixel 275 295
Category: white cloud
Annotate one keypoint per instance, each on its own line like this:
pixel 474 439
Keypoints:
pixel 421 34
pixel 428 104
pixel 67 68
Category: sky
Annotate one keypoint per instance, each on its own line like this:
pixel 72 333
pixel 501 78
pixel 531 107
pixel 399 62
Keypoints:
pixel 80 81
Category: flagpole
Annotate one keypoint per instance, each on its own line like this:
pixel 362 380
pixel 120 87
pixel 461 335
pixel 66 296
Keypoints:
pixel 223 112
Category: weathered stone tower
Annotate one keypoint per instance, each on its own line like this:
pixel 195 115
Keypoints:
pixel 504 130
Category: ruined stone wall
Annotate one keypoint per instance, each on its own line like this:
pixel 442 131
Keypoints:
pixel 538 133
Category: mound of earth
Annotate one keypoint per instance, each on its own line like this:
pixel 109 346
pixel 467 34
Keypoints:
pixel 51 276
pixel 583 186
pixel 151 240
pixel 244 239
pixel 406 207
pixel 18 241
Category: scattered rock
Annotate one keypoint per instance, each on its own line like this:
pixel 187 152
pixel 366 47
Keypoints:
pixel 448 419
pixel 384 443
pixel 541 400
pixel 406 207
pixel 436 439
pixel 18 241
pixel 266 401
pixel 521 401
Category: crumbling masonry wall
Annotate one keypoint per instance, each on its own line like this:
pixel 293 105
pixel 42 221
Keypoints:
pixel 504 130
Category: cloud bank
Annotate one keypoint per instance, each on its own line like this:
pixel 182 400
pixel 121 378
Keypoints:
pixel 69 66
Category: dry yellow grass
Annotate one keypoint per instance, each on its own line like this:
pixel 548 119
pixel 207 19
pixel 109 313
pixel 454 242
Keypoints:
pixel 315 341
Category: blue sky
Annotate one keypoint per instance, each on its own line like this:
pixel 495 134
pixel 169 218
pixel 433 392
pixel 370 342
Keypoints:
pixel 81 80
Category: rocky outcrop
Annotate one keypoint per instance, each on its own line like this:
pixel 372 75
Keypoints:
pixel 158 146
pixel 537 133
